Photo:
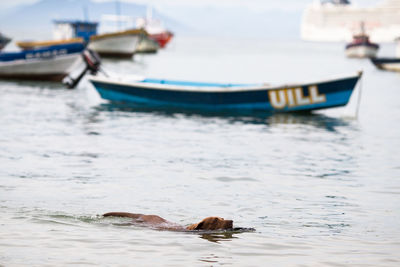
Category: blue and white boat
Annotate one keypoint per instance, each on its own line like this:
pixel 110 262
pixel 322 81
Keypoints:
pixel 45 63
pixel 232 97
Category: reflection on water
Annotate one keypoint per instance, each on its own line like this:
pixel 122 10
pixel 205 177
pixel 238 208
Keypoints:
pixel 218 237
pixel 226 235
pixel 317 120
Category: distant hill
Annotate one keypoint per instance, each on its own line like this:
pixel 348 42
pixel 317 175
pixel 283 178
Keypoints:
pixel 35 21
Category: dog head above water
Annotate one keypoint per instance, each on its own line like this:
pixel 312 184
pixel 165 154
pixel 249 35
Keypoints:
pixel 212 223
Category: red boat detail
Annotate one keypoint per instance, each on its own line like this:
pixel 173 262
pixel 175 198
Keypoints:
pixel 162 38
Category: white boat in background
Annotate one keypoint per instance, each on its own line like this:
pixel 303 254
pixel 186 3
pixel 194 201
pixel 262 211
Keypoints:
pixel 361 47
pixel 116 44
pixel 336 20
pixel 118 37
pixel 51 63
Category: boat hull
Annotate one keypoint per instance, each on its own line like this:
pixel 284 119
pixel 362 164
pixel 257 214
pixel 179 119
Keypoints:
pixel 305 97
pixel 147 45
pixel 361 51
pixel 115 46
pixel 48 64
pixel 391 64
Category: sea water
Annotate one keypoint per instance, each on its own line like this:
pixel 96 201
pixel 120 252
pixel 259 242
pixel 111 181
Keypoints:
pixel 320 189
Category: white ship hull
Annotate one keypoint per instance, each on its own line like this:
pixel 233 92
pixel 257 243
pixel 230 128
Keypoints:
pixel 41 69
pixel 334 23
pixel 147 45
pixel 361 52
pixel 115 46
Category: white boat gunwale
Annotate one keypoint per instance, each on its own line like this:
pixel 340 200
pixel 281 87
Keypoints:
pixel 216 89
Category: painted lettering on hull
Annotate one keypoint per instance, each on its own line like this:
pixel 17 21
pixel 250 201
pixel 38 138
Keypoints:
pixel 294 97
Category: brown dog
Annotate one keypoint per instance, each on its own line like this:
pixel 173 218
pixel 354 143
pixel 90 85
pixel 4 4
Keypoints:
pixel 154 221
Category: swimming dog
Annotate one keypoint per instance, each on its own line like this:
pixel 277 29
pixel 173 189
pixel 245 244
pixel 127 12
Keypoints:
pixel 156 222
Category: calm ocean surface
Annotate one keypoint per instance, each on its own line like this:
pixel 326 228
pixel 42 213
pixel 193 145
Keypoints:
pixel 321 189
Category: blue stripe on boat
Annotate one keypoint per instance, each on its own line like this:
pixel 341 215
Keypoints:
pixel 43 53
pixel 195 84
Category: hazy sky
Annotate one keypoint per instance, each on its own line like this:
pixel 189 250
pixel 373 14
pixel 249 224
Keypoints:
pixel 254 4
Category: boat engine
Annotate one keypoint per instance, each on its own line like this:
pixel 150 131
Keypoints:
pixel 92 61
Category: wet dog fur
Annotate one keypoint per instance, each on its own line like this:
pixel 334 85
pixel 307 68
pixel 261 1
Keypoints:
pixel 156 222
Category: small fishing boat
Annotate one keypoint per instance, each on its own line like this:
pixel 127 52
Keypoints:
pixel 119 43
pixel 391 64
pixel 232 97
pixel 116 44
pixel 46 63
pixel 4 40
pixel 361 47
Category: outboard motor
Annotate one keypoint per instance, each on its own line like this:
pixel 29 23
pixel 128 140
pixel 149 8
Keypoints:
pixel 92 61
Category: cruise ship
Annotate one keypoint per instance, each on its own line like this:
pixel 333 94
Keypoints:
pixel 339 20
